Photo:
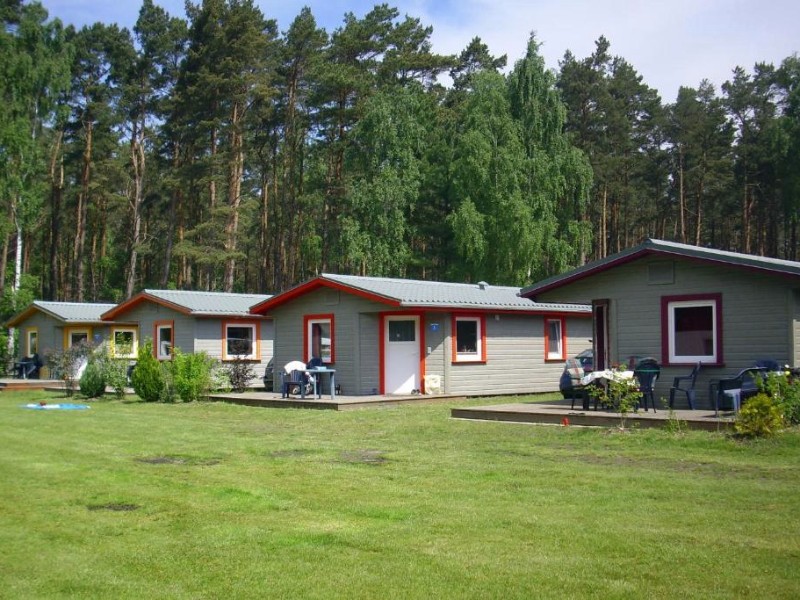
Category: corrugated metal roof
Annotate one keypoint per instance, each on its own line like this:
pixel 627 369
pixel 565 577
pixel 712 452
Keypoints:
pixel 210 303
pixel 74 312
pixel 660 247
pixel 416 293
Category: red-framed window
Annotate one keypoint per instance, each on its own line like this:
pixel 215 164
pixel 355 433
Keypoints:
pixel 319 338
pixel 555 339
pixel 469 338
pixel 691 329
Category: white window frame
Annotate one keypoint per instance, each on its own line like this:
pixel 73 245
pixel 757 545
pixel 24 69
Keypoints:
pixel 320 320
pixel 254 346
pixel 134 342
pixel 32 334
pixel 160 355
pixel 558 354
pixel 479 355
pixel 672 305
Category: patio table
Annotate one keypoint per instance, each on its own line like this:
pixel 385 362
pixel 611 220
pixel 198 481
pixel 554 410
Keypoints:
pixel 317 383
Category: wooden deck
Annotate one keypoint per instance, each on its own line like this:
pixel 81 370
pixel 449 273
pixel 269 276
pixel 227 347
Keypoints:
pixel 560 413
pixel 274 400
pixel 9 384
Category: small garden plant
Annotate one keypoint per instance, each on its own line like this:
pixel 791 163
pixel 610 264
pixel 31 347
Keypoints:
pixel 619 394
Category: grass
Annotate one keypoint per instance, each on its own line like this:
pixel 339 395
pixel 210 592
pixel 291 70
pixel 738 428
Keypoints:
pixel 206 500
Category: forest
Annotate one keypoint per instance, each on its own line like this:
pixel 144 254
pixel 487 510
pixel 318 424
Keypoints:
pixel 215 152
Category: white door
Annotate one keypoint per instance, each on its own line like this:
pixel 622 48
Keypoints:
pixel 401 352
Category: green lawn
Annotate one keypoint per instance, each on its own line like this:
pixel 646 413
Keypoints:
pixel 134 500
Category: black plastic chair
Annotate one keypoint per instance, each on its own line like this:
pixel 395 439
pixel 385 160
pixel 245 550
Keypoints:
pixel 570 384
pixel 685 384
pixel 296 383
pixel 646 373
pixel 738 388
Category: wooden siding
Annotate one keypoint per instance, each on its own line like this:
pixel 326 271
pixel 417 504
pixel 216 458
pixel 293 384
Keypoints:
pixel 355 336
pixel 755 321
pixel 51 332
pixel 515 345
pixel 515 357
pixel 195 334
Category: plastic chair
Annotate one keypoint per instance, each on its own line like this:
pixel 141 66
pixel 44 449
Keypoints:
pixel 646 373
pixel 685 384
pixel 295 382
pixel 738 388
pixel 570 384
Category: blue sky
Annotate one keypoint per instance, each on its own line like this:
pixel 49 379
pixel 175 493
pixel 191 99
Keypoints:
pixel 670 43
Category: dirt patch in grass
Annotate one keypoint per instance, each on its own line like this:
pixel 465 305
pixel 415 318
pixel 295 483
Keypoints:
pixel 178 460
pixel 114 507
pixel 366 457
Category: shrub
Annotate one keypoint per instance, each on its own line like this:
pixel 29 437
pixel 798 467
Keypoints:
pixel 786 392
pixel 148 379
pixel 192 375
pixel 64 364
pixel 93 382
pixel 116 376
pixel 760 416
pixel 240 373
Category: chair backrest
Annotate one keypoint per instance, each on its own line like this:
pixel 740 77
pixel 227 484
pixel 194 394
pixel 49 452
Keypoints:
pixel 295 377
pixel 646 373
pixel 573 372
pixel 315 362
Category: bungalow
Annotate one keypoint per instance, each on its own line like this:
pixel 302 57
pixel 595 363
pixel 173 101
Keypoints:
pixel 396 336
pixel 52 326
pixel 684 304
pixel 218 323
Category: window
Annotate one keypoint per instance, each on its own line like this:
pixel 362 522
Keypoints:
pixel 402 331
pixel 75 337
pixel 32 341
pixel 469 339
pixel 164 336
pixel 692 329
pixel 123 342
pixel 241 341
pixel 555 346
pixel 319 338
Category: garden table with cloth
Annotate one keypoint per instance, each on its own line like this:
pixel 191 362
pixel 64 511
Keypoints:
pixel 601 378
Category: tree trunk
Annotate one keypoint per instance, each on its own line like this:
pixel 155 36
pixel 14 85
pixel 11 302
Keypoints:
pixel 81 216
pixel 138 164
pixel 56 196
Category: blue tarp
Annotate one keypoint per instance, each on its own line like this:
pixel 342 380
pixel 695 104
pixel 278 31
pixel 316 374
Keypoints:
pixel 45 406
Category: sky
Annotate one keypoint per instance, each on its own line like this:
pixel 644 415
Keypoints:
pixel 671 43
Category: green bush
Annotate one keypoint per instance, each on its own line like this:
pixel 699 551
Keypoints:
pixel 240 373
pixel 192 375
pixel 760 416
pixel 116 376
pixel 93 383
pixel 786 392
pixel 147 378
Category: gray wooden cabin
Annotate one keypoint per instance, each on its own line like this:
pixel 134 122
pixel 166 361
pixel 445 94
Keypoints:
pixel 393 336
pixel 46 327
pixel 684 304
pixel 218 323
